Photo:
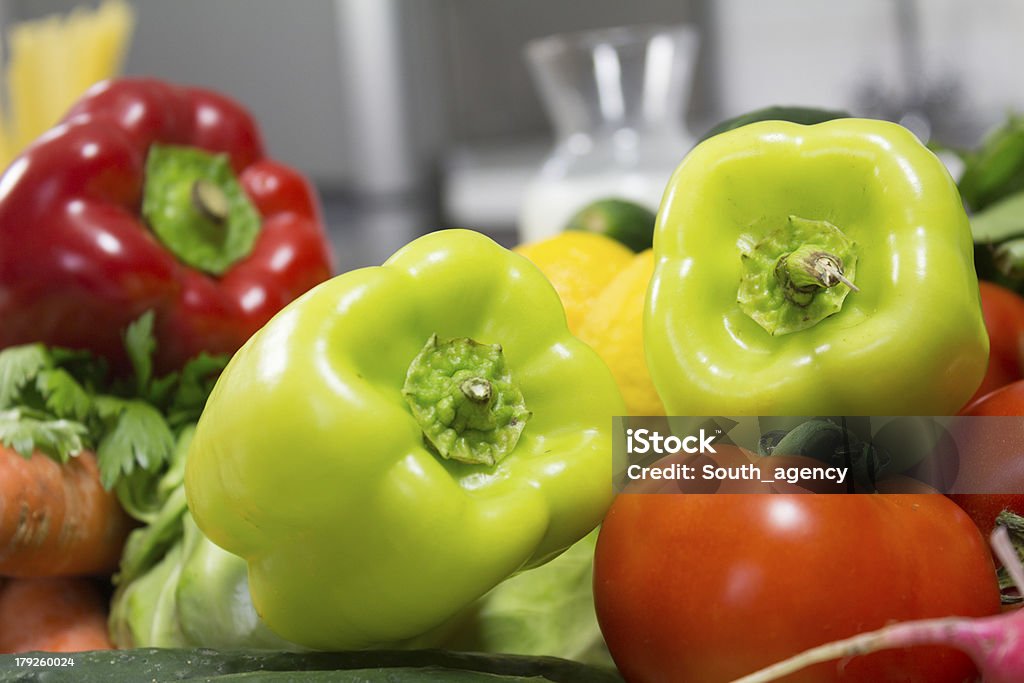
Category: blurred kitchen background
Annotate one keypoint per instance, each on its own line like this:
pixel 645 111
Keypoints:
pixel 412 115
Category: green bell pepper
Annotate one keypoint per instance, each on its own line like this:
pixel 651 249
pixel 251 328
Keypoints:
pixel 401 439
pixel 802 269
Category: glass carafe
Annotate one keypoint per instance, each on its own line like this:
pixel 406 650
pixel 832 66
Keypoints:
pixel 616 98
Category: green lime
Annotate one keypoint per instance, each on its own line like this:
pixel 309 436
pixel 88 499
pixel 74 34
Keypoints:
pixel 622 220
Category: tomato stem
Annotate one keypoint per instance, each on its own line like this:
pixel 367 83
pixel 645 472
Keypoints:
pixel 1014 524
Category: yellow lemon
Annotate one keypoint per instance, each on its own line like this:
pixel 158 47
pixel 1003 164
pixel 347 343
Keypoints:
pixel 579 265
pixel 613 327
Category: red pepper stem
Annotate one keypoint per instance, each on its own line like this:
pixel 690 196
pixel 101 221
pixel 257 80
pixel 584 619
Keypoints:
pixel 196 206
pixel 211 201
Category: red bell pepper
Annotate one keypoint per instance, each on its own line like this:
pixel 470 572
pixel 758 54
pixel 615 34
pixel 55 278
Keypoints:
pixel 153 196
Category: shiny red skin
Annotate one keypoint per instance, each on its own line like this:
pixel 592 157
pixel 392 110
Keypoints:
pixel 1001 393
pixel 707 588
pixel 985 508
pixel 994 456
pixel 1004 319
pixel 1004 401
pixel 77 262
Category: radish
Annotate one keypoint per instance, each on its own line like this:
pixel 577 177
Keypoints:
pixel 995 644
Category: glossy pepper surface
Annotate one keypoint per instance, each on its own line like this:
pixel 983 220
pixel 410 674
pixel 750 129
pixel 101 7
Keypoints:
pixel 802 266
pixel 401 439
pixel 153 196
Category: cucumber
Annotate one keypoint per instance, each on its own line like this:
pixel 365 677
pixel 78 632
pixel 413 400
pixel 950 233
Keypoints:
pixel 373 676
pixel 620 219
pixel 271 666
pixel 804 115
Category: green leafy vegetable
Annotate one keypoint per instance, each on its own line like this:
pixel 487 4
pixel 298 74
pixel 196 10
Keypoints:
pixel 194 384
pixel 138 435
pixel 1002 220
pixel 995 170
pixel 19 365
pixel 64 396
pixel 547 611
pixel 140 345
pixel 999 241
pixel 24 433
pixel 61 402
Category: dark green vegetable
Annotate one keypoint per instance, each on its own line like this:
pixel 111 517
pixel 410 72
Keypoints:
pixel 545 612
pixel 376 676
pixel 370 666
pixel 995 170
pixel 999 242
pixel 992 186
pixel 620 219
pixel 804 115
pixel 61 401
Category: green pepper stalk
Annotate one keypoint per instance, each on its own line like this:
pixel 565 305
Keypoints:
pixel 789 275
pixel 464 398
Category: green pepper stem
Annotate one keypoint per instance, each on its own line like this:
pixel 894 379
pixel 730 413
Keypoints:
pixel 465 400
pixel 477 389
pixel 808 269
pixel 831 272
pixel 789 277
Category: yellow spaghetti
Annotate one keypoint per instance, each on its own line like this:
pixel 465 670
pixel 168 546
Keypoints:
pixel 52 61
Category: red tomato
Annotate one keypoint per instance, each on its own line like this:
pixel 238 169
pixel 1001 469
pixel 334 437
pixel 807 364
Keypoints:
pixel 995 455
pixel 1007 400
pixel 1004 319
pixel 707 588
pixel 984 508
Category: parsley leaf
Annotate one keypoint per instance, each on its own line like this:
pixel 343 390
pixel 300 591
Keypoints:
pixel 19 365
pixel 140 345
pixel 64 397
pixel 61 401
pixel 194 386
pixel 25 433
pixel 137 436
pixel 89 370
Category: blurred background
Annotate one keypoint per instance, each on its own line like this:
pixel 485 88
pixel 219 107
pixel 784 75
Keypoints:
pixel 412 115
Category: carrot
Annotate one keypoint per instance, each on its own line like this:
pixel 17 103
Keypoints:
pixel 59 614
pixel 56 519
pixel 995 644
